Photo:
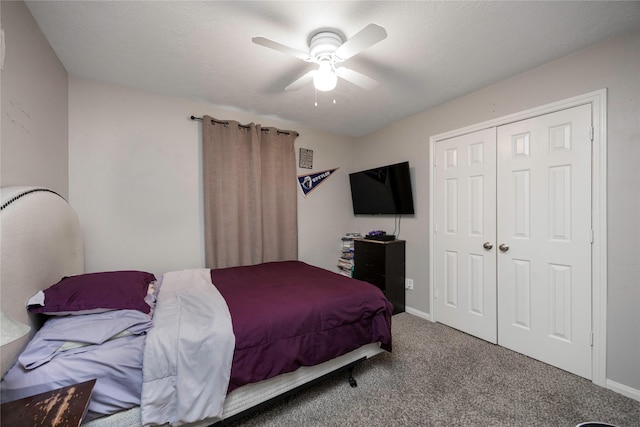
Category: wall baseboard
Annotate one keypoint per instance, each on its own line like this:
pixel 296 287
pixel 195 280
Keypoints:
pixel 418 313
pixel 624 390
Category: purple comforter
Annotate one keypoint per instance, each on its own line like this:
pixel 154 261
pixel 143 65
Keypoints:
pixel 291 314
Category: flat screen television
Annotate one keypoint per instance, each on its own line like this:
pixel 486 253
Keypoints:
pixel 382 190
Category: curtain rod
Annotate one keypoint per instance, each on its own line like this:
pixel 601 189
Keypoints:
pixel 214 121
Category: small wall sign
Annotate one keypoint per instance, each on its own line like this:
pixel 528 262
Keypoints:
pixel 306 158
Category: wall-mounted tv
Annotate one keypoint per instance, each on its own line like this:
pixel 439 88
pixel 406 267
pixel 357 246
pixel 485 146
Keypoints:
pixel 382 190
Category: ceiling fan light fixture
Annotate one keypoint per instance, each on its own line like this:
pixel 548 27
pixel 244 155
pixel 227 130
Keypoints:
pixel 325 78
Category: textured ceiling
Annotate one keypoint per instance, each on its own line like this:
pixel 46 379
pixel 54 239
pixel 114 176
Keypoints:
pixel 434 52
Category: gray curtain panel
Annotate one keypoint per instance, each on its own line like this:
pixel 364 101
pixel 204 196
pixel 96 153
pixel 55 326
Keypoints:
pixel 250 194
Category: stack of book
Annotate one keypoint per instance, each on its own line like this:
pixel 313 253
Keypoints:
pixel 345 262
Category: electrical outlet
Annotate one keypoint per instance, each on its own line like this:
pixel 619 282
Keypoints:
pixel 408 284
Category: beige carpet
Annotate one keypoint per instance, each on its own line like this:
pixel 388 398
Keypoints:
pixel 437 376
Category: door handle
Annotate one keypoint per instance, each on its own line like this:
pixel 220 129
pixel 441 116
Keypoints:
pixel 487 245
pixel 503 247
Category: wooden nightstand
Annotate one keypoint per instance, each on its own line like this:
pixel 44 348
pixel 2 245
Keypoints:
pixel 63 407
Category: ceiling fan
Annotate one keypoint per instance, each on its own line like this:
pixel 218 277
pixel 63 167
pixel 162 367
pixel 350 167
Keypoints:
pixel 328 48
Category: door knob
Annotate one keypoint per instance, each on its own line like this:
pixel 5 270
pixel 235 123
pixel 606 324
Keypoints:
pixel 503 247
pixel 487 245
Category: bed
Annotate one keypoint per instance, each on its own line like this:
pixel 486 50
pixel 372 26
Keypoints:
pixel 281 332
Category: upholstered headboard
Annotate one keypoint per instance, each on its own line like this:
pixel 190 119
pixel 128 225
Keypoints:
pixel 40 243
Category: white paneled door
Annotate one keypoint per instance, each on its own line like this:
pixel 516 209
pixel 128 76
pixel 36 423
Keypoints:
pixel 513 236
pixel 466 232
pixel 544 238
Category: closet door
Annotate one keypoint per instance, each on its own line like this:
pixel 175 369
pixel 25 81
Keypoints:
pixel 465 217
pixel 544 238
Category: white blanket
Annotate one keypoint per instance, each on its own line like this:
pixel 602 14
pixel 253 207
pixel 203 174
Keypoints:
pixel 188 353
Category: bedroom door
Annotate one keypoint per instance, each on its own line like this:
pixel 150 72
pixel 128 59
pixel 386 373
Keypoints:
pixel 466 232
pixel 524 189
pixel 544 223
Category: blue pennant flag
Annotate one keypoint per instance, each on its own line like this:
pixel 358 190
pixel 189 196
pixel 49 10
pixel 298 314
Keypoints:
pixel 309 182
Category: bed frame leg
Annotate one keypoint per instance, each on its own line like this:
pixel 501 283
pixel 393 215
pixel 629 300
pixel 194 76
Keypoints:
pixel 352 381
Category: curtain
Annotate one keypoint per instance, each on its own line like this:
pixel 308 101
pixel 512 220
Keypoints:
pixel 250 194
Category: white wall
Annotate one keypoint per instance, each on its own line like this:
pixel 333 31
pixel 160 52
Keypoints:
pixel 135 180
pixel 33 142
pixel 615 65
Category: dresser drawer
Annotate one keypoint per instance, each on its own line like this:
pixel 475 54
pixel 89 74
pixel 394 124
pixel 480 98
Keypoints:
pixel 368 276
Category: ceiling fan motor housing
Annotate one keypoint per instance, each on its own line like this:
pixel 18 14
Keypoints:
pixel 323 45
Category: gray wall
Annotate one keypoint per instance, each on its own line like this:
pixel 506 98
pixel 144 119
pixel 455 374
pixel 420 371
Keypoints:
pixel 141 182
pixel 615 65
pixel 34 134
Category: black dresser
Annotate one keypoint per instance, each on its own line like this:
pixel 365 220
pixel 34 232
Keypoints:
pixel 382 263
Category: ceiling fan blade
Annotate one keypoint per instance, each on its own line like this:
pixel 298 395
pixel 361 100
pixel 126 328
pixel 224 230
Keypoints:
pixel 357 78
pixel 262 41
pixel 306 78
pixel 368 36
